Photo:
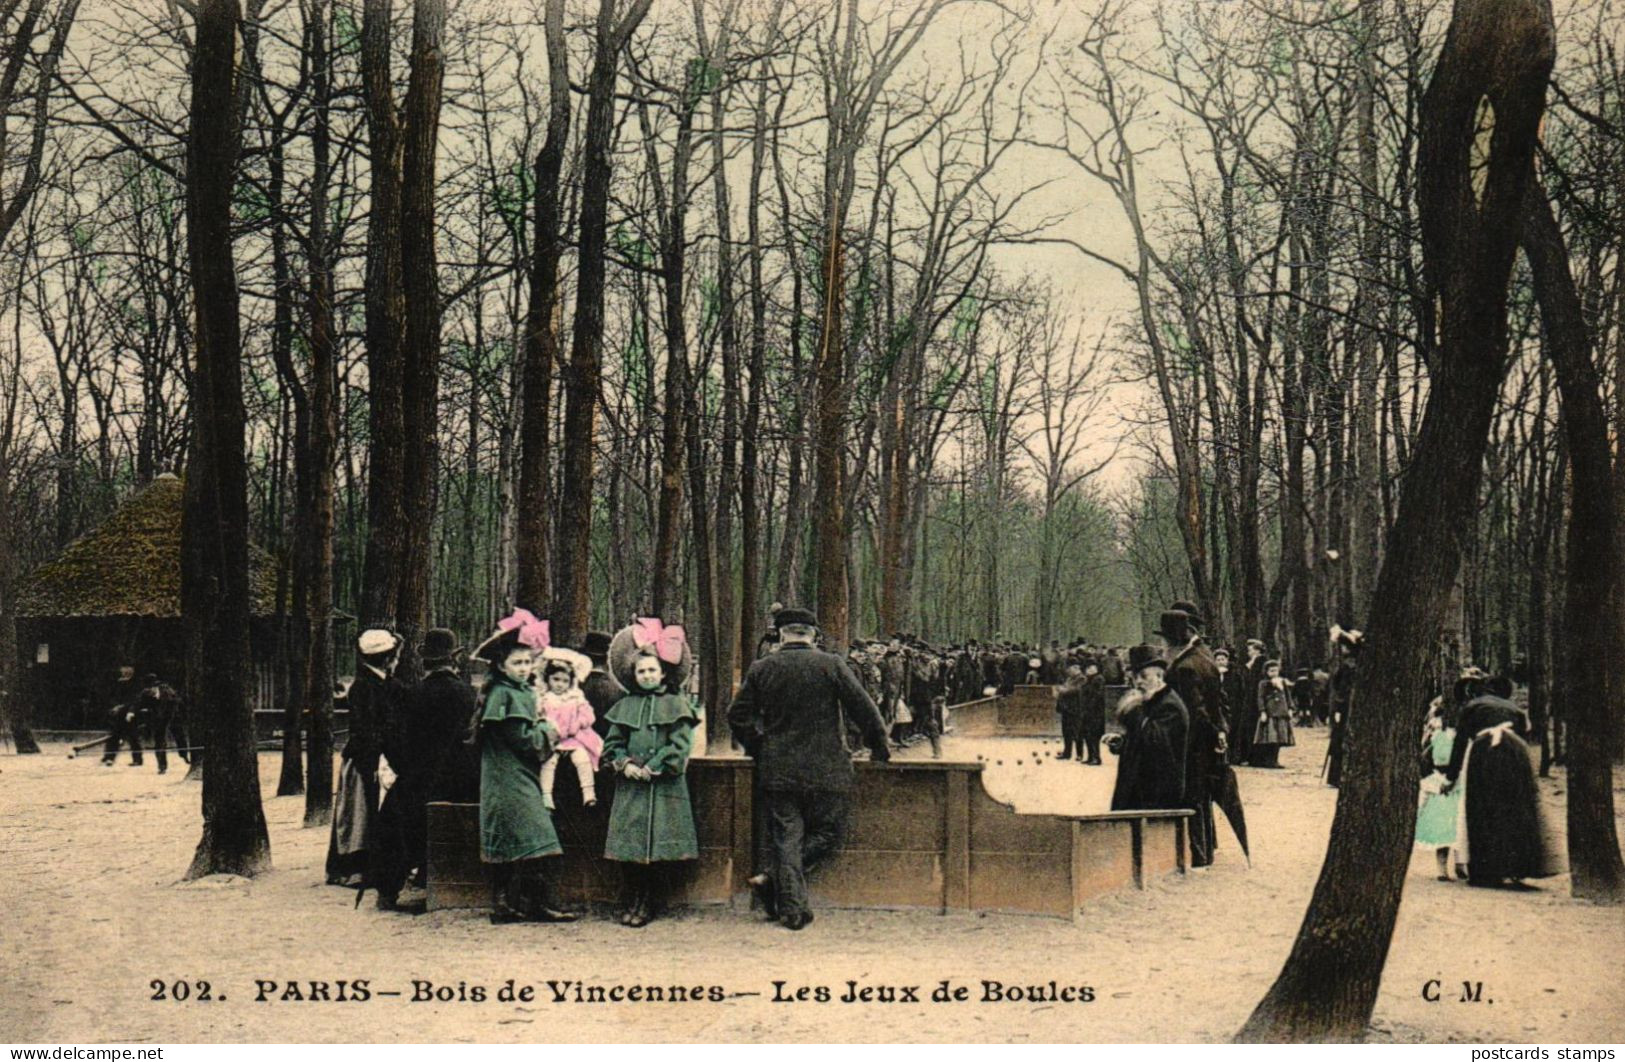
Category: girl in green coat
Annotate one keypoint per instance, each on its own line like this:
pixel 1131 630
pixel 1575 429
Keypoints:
pixel 516 832
pixel 651 824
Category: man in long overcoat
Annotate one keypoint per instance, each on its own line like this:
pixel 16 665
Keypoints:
pixel 424 747
pixel 789 714
pixel 1151 751
pixel 1194 675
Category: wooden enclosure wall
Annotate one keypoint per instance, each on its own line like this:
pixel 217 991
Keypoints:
pixel 923 834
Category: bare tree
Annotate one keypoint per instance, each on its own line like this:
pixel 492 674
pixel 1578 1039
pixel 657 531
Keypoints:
pixel 215 603
pixel 1488 88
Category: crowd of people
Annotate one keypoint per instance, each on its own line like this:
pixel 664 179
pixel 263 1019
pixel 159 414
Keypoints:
pixel 618 714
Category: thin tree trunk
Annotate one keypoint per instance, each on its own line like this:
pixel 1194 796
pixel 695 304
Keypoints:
pixel 215 601
pixel 1590 613
pixel 535 538
pixel 316 552
pixel 571 615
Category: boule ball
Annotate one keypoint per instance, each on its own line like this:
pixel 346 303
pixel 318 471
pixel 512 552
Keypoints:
pixel 623 651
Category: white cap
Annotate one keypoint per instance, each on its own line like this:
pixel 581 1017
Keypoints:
pixel 376 641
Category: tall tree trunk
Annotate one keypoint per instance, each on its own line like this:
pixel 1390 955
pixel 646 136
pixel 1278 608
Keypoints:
pixel 571 616
pixel 384 566
pixel 316 551
pixel 1365 540
pixel 541 331
pixel 1590 611
pixel 420 269
pixel 829 440
pixel 1500 51
pixel 215 601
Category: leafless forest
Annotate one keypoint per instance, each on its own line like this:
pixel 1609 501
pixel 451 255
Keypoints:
pixel 969 318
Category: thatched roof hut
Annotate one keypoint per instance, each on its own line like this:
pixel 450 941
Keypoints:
pixel 130 565
pixel 113 598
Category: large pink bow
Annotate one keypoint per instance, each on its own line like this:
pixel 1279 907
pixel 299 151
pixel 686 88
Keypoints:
pixel 667 641
pixel 533 632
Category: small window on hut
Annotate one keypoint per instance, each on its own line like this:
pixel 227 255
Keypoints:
pixel 42 655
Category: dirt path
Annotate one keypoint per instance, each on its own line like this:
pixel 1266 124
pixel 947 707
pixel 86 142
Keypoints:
pixel 89 858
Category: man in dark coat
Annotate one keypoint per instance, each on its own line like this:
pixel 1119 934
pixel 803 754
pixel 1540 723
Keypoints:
pixel 122 724
pixel 1347 644
pixel 158 710
pixel 788 714
pixel 424 747
pixel 1093 726
pixel 1194 675
pixel 967 677
pixel 1069 706
pixel 1242 698
pixel 1151 750
pixel 599 687
pixel 372 700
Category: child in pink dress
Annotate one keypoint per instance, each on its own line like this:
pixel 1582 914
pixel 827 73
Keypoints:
pixel 564 705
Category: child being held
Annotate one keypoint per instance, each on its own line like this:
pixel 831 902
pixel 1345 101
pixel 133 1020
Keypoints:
pixel 563 704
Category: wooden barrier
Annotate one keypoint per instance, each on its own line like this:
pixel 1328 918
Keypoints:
pixel 923 834
pixel 1029 711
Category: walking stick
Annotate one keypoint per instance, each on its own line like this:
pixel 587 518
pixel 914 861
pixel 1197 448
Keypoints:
pixel 77 749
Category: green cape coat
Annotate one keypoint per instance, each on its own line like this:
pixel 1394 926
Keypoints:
pixel 651 822
pixel 514 823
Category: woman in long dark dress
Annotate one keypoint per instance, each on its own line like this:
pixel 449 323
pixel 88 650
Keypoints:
pixel 1501 837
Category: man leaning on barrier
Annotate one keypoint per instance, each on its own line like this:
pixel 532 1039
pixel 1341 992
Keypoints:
pixel 788 715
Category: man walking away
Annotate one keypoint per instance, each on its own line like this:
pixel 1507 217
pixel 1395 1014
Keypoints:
pixel 788 715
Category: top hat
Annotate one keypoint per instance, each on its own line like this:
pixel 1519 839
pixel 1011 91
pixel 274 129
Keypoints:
pixel 794 617
pixel 595 645
pixel 1143 656
pixel 439 644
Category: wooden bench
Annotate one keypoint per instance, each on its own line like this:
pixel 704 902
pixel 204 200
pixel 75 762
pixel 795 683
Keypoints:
pixel 923 834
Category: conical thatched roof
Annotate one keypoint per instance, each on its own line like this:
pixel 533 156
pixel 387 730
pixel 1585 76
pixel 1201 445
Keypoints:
pixel 131 565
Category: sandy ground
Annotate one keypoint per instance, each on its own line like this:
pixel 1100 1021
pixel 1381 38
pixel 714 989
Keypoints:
pixel 90 856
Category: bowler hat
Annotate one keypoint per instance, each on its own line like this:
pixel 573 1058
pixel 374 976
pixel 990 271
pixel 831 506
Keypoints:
pixel 440 644
pixel 1175 625
pixel 1143 656
pixel 595 645
pixel 1190 609
pixel 794 617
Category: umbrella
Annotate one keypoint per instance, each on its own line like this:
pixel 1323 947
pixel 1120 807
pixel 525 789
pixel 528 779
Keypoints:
pixel 1229 798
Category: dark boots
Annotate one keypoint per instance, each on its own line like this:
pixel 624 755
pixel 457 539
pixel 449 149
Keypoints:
pixel 525 892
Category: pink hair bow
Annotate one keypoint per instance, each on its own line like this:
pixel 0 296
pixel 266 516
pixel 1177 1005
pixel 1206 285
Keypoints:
pixel 533 632
pixel 667 641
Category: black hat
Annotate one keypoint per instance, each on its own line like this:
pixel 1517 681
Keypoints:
pixel 595 645
pixel 440 644
pixel 1189 609
pixel 149 679
pixel 1143 656
pixel 1176 620
pixel 794 617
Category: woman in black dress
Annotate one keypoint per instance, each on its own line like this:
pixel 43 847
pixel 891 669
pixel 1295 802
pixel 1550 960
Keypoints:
pixel 1501 835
